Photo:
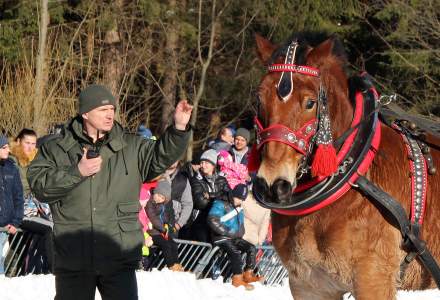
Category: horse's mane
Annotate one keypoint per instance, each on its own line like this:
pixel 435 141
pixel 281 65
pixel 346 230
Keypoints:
pixel 310 39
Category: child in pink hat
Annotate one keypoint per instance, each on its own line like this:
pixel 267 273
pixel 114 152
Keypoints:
pixel 235 173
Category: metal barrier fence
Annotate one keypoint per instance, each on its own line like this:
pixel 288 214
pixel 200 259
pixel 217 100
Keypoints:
pixel 202 259
pixel 191 255
pixel 15 253
pixel 212 262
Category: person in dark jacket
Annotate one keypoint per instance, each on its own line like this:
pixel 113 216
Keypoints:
pixel 161 214
pixel 91 177
pixel 206 185
pixel 240 150
pixel 180 195
pixel 226 221
pixel 224 141
pixel 36 224
pixel 11 197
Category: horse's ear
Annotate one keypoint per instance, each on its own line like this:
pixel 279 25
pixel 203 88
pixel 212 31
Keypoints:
pixel 330 47
pixel 264 48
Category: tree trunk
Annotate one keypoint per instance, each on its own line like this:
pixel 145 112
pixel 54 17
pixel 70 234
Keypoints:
pixel 39 121
pixel 171 67
pixel 112 59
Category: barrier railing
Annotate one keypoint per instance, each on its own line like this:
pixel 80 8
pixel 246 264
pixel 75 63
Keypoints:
pixel 268 265
pixel 191 254
pixel 204 260
pixel 15 252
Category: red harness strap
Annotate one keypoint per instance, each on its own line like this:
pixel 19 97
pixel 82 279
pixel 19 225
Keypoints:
pixel 299 139
pixel 419 174
pixel 304 70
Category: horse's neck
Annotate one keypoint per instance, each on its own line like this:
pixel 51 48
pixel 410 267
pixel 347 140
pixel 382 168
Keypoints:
pixel 341 114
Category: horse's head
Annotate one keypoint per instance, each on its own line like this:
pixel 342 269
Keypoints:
pixel 304 86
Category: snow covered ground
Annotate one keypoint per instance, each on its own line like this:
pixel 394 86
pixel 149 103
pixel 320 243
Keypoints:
pixel 170 285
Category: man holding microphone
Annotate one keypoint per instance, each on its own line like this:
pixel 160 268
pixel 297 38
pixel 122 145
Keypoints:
pixel 91 177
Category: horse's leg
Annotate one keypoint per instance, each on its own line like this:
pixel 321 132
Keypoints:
pixel 375 279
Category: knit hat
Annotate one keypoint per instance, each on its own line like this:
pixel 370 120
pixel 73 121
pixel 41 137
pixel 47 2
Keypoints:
pixel 210 156
pixel 3 140
pixel 144 132
pixel 240 191
pixel 94 96
pixel 163 188
pixel 243 132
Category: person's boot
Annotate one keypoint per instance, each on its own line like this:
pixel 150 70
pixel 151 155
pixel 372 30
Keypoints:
pixel 249 276
pixel 177 268
pixel 237 280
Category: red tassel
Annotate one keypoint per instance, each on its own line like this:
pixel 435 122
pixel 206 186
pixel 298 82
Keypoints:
pixel 325 162
pixel 253 160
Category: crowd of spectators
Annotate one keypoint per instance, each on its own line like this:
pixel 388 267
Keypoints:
pixel 213 203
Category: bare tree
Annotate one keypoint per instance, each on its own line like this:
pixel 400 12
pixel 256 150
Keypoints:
pixel 204 62
pixel 39 122
pixel 113 66
pixel 171 65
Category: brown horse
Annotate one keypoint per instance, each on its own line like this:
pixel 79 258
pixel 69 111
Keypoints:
pixel 346 245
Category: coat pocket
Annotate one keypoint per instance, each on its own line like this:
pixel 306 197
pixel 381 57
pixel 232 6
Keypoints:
pixel 128 209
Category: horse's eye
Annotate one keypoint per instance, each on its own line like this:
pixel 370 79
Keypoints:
pixel 310 103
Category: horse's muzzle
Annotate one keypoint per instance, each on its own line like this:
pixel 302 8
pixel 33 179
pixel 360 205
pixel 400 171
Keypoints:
pixel 279 192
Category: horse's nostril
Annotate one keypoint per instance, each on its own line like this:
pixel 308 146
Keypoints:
pixel 282 190
pixel 260 187
pixel 261 183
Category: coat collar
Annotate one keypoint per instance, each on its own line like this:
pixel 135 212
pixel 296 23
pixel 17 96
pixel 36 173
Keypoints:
pixel 74 132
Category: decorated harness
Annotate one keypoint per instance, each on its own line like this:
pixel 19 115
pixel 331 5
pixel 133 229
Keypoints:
pixel 334 173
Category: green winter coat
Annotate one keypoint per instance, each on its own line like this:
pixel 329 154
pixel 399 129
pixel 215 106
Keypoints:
pixel 96 225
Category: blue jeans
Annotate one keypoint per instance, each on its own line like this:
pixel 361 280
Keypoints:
pixel 3 239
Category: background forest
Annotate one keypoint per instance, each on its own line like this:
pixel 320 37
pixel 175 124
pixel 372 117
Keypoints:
pixel 152 53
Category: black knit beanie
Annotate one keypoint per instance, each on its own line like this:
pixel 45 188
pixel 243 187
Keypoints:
pixel 240 191
pixel 94 96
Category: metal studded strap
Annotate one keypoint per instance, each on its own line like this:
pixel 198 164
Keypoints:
pixel 299 139
pixel 419 175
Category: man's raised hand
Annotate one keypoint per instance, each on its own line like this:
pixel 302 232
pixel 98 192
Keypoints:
pixel 182 114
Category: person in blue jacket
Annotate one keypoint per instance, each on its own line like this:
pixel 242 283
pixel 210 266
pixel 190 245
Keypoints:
pixel 11 197
pixel 226 221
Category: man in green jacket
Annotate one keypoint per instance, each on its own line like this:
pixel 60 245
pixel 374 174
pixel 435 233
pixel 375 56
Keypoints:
pixel 91 177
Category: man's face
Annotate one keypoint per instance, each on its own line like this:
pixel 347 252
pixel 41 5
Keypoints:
pixel 207 168
pixel 101 118
pixel 28 143
pixel 228 137
pixel 4 152
pixel 240 143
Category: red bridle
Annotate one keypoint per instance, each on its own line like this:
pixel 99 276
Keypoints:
pixel 297 139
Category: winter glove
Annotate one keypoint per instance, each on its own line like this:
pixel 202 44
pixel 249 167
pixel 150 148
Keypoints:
pixel 169 232
pixel 165 231
pixel 148 242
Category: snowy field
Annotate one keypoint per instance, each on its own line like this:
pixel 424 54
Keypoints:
pixel 170 285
